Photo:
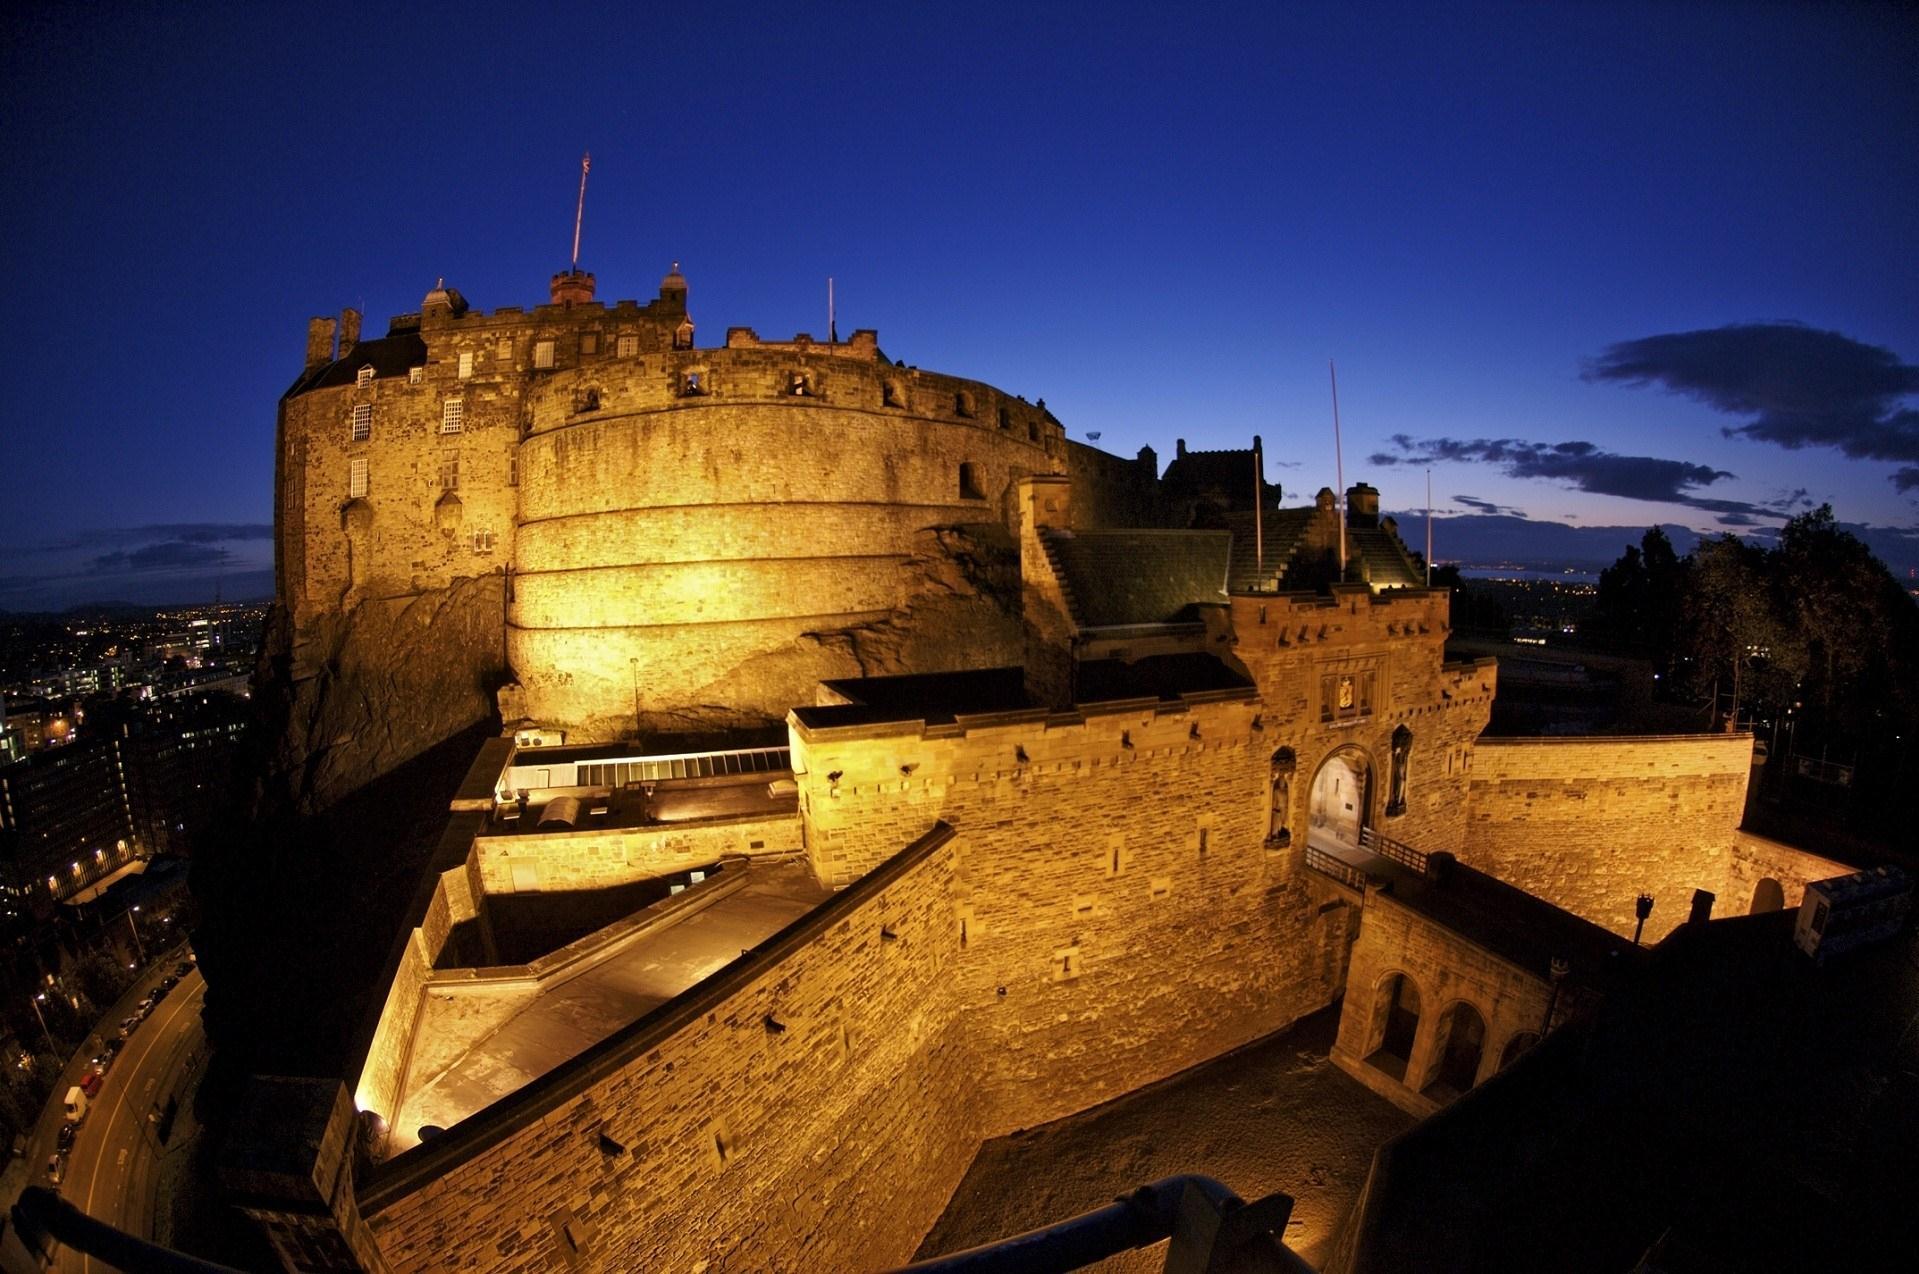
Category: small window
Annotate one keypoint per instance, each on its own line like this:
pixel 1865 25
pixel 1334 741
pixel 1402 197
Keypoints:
pixel 798 385
pixel 543 354
pixel 365 377
pixel 504 350
pixel 416 375
pixel 1032 431
pixel 356 479
pixel 513 468
pixel 683 335
pixel 466 364
pixel 483 542
pixel 1005 418
pixel 963 404
pixel 449 473
pixel 692 385
pixel 453 416
pixel 628 347
pixel 969 487
pixel 889 394
pixel 362 422
pixel 589 342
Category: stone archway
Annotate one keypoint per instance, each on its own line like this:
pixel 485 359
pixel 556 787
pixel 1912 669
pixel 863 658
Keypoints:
pixel 1767 895
pixel 1459 1047
pixel 1342 796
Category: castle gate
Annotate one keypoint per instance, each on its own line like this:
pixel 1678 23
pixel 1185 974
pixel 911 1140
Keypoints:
pixel 1342 796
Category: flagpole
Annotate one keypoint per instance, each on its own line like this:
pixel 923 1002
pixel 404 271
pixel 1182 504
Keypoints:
pixel 1259 530
pixel 1339 472
pixel 1429 528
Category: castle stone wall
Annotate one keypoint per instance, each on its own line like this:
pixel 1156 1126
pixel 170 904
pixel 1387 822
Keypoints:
pixel 1445 969
pixel 1588 824
pixel 1755 858
pixel 1120 914
pixel 605 859
pixel 832 1142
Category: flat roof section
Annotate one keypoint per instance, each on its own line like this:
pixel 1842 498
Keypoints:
pixel 563 1020
pixel 940 698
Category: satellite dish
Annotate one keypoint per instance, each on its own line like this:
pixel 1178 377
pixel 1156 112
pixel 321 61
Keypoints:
pixel 1093 436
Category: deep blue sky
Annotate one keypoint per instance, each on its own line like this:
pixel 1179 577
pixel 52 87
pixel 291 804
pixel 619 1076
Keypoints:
pixel 1163 219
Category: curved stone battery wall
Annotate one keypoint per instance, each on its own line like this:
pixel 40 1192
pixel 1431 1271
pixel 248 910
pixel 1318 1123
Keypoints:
pixel 705 534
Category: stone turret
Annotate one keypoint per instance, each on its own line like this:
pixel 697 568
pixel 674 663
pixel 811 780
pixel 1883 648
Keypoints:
pixel 572 287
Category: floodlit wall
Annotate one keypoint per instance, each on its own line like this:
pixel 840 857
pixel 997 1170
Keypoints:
pixel 810 1108
pixel 1445 969
pixel 603 859
pixel 1756 858
pixel 1588 824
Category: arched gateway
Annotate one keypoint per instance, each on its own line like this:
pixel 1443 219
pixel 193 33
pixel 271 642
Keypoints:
pixel 1342 795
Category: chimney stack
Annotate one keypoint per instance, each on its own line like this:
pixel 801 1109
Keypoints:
pixel 349 331
pixel 319 341
pixel 1702 900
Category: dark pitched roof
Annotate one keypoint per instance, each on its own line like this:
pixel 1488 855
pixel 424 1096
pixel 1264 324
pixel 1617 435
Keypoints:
pixel 1301 550
pixel 1383 558
pixel 391 355
pixel 1139 577
pixel 939 698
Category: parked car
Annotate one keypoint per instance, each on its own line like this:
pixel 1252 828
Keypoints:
pixel 91 1085
pixel 99 1062
pixel 183 968
pixel 56 1167
pixel 63 1140
pixel 114 1046
pixel 169 982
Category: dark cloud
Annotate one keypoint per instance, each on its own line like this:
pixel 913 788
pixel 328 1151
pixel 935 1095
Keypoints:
pixel 190 532
pixel 1582 465
pixel 1478 505
pixel 169 555
pixel 1802 387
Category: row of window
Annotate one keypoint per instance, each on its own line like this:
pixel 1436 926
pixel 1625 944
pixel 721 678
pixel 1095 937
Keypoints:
pixel 452 419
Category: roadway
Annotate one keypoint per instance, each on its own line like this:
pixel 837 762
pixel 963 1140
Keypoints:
pixel 113 1169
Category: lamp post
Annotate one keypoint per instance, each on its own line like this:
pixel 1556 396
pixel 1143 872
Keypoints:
pixel 1641 907
pixel 135 930
pixel 35 1001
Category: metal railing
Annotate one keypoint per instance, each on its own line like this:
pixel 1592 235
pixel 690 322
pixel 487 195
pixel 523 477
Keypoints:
pixel 1397 851
pixel 1338 868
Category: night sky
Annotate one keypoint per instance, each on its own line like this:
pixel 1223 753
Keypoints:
pixel 1604 265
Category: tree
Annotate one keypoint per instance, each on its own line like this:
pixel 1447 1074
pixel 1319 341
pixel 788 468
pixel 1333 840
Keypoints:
pixel 1732 628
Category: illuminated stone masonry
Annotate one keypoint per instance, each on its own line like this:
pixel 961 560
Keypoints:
pixel 1061 808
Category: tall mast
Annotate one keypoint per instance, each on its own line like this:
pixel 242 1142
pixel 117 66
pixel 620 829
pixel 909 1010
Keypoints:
pixel 1259 531
pixel 1339 472
pixel 832 327
pixel 1429 528
pixel 579 212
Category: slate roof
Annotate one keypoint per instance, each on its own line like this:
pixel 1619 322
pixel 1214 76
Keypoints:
pixel 1115 578
pixel 939 698
pixel 1229 472
pixel 391 355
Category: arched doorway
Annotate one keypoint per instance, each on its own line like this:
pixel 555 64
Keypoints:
pixel 1767 895
pixel 1519 1043
pixel 1342 796
pixel 1395 1025
pixel 1457 1050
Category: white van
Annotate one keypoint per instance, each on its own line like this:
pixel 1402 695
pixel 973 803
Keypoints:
pixel 76 1104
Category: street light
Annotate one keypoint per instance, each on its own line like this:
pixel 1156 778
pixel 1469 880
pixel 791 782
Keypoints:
pixel 136 935
pixel 35 1001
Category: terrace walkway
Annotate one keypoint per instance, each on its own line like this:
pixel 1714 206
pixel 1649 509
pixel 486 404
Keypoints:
pixel 539 1029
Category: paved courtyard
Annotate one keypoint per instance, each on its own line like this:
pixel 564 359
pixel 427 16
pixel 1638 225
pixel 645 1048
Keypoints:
pixel 1276 1115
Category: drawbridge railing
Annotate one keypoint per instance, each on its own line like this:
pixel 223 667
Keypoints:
pixel 1397 851
pixel 1338 868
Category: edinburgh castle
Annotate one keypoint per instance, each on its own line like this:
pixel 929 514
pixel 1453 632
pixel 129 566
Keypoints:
pixel 879 772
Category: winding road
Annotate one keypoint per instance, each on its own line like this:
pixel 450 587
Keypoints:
pixel 113 1170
